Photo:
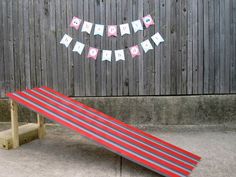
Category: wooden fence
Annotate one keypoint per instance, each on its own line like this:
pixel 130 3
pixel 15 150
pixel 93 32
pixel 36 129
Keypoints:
pixel 197 57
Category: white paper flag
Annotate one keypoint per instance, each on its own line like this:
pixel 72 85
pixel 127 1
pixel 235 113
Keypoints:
pixel 87 27
pixel 66 40
pixel 157 39
pixel 137 25
pixel 120 55
pixel 106 55
pixel 99 29
pixel 124 29
pixel 146 45
pixel 79 47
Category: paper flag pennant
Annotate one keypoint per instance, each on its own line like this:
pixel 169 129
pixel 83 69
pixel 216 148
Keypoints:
pixel 157 38
pixel 79 47
pixel 137 25
pixel 93 53
pixel 124 29
pixel 146 45
pixel 75 23
pixel 112 30
pixel 120 55
pixel 99 29
pixel 106 55
pixel 134 51
pixel 87 27
pixel 148 21
pixel 66 40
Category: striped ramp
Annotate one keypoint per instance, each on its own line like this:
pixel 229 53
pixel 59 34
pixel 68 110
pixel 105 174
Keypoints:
pixel 120 138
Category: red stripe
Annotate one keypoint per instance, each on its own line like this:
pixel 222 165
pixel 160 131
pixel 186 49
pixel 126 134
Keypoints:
pixel 55 103
pixel 107 136
pixel 84 133
pixel 126 125
pixel 124 131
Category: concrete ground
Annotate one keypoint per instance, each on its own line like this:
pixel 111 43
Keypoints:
pixel 64 153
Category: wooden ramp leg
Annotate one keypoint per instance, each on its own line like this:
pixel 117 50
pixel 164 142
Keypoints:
pixel 14 124
pixel 41 127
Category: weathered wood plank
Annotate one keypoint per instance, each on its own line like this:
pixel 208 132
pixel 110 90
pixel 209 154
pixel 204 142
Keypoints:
pixel 140 38
pixel 173 47
pixel 59 35
pixel 31 45
pixel 233 67
pixel 92 62
pixel 114 88
pixel 26 43
pixel 228 16
pixel 190 48
pixel 163 53
pixel 2 68
pixel 64 62
pixel 206 47
pixel 211 47
pixel 178 48
pixel 37 43
pixel 53 42
pixel 184 39
pixel 6 46
pixel 195 66
pixel 49 65
pixel 70 55
pixel 200 46
pixel 222 46
pixel 217 45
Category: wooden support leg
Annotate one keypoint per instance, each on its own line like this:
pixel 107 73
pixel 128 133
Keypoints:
pixel 41 129
pixel 14 124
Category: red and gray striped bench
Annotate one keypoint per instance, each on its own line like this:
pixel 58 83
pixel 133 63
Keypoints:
pixel 123 139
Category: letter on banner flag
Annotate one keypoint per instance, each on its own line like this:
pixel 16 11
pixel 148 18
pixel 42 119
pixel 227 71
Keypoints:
pixel 134 51
pixel 112 30
pixel 75 23
pixel 66 40
pixel 99 29
pixel 106 55
pixel 137 25
pixel 148 21
pixel 124 29
pixel 87 27
pixel 146 45
pixel 79 47
pixel 120 55
pixel 93 53
pixel 157 39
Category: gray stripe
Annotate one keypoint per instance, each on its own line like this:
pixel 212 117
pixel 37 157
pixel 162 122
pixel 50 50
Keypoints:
pixel 100 137
pixel 105 132
pixel 185 155
pixel 88 117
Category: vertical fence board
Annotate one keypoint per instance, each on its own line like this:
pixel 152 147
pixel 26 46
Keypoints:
pixel 2 68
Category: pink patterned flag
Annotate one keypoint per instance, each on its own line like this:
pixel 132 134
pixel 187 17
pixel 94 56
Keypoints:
pixel 134 51
pixel 112 30
pixel 93 53
pixel 75 23
pixel 148 21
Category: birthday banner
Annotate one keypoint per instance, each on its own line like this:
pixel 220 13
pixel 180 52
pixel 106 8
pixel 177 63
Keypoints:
pixel 112 30
pixel 107 54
